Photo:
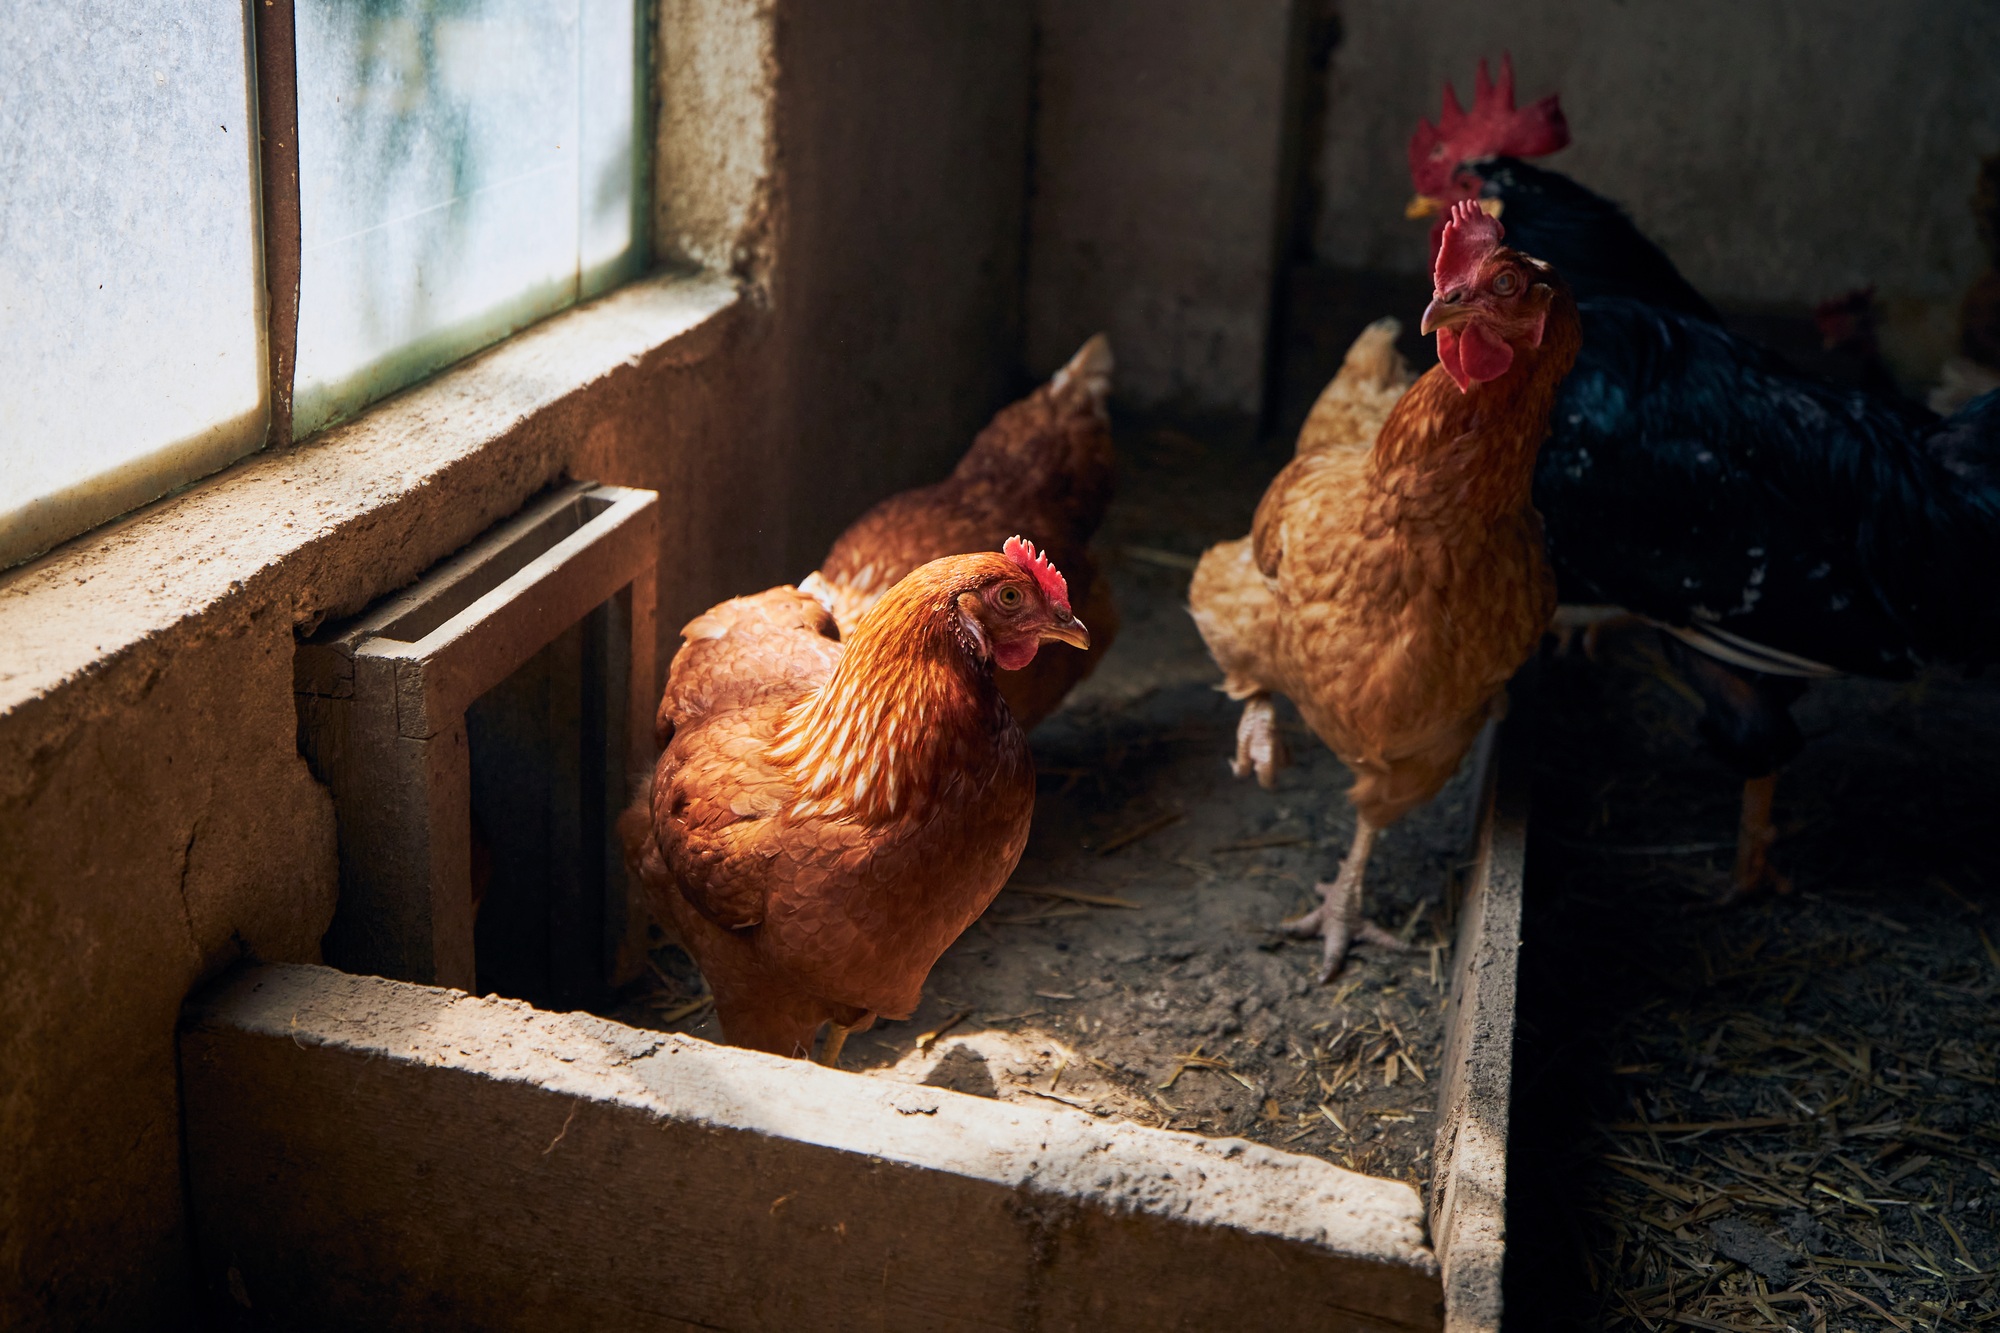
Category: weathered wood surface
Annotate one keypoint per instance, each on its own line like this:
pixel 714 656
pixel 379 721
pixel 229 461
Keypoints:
pixel 1469 1189
pixel 368 1154
pixel 383 701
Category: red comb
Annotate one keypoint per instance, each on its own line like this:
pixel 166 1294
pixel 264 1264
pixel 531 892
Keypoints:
pixel 1494 127
pixel 1054 587
pixel 1470 236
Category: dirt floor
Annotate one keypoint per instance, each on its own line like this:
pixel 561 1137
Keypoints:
pixel 1132 968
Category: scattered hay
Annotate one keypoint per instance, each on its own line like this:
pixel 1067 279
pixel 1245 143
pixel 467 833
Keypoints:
pixel 1784 1113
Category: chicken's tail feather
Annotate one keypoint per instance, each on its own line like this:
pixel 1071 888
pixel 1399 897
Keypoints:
pixel 1372 360
pixel 1351 409
pixel 1087 376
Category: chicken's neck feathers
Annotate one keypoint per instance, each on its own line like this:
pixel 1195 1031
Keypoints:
pixel 908 708
pixel 1472 454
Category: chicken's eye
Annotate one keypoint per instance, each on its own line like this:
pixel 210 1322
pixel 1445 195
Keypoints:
pixel 1009 597
pixel 1506 283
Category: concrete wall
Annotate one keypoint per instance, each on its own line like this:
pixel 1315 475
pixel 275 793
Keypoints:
pixel 1158 137
pixel 903 129
pixel 1781 152
pixel 156 822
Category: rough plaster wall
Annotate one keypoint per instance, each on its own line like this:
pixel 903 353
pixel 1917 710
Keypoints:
pixel 713 152
pixel 156 822
pixel 1158 138
pixel 902 158
pixel 164 827
pixel 1781 152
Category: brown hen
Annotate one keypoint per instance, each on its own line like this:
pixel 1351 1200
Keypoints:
pixel 1229 598
pixel 828 814
pixel 1043 468
pixel 1390 592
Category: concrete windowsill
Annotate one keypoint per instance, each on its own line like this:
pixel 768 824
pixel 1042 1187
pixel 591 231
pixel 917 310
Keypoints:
pixel 301 519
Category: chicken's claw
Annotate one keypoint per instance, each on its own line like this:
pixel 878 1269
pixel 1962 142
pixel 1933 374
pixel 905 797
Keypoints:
pixel 1338 920
pixel 1260 747
pixel 1340 930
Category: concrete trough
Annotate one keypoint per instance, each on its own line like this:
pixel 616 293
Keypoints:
pixel 371 1153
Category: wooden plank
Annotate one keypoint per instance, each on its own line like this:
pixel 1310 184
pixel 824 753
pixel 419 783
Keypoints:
pixel 369 1154
pixel 450 665
pixel 1469 1189
pixel 383 707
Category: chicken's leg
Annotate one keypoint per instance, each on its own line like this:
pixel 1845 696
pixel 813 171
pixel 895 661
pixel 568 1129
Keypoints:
pixel 829 1051
pixel 1754 835
pixel 1338 920
pixel 1259 745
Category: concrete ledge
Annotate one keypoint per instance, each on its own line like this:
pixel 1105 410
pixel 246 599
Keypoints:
pixel 365 1153
pixel 75 610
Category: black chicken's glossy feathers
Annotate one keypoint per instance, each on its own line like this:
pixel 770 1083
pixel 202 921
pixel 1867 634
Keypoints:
pixel 1700 480
pixel 1589 239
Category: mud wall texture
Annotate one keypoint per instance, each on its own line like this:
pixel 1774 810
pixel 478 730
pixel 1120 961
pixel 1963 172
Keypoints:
pixel 156 822
pixel 1781 153
pixel 903 131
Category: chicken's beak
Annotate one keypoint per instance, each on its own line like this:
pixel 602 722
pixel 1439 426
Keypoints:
pixel 1423 206
pixel 1070 631
pixel 1445 312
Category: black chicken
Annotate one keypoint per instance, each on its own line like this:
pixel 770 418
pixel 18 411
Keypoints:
pixel 1774 525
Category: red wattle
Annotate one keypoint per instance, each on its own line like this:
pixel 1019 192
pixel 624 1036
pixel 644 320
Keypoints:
pixel 1484 356
pixel 1015 654
pixel 1469 354
pixel 1448 358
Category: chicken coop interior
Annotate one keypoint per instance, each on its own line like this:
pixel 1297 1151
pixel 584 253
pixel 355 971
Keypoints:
pixel 1194 664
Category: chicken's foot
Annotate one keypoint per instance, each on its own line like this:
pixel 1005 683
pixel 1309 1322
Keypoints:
pixel 1260 747
pixel 1754 835
pixel 1338 920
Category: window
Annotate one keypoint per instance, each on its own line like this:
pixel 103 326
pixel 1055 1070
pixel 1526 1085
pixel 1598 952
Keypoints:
pixel 464 168
pixel 131 295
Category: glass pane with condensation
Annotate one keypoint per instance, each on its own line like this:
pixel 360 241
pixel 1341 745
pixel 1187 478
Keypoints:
pixel 609 225
pixel 445 147
pixel 131 289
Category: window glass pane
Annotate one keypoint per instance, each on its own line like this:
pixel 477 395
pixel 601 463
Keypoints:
pixel 131 290
pixel 465 168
